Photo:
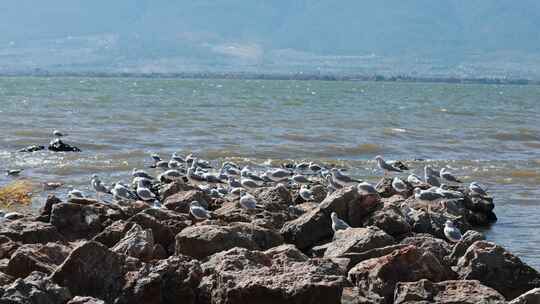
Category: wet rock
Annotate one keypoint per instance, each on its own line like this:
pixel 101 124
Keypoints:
pixel 174 280
pixel 32 148
pixel 45 211
pixel 173 188
pixel 93 270
pixel 37 288
pixel 390 219
pixel 279 275
pixel 180 201
pixel 204 240
pixel 479 204
pixel 530 297
pixel 380 275
pixel 85 300
pixel 30 232
pixel 137 243
pixel 77 221
pixel 497 268
pixel 459 249
pixel 454 292
pixel 36 257
pixel 437 247
pixel 58 145
pixel 357 240
pixel 162 233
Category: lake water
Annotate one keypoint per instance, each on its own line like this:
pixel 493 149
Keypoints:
pixel 488 133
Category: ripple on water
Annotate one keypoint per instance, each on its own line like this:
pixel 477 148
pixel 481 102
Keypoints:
pixel 518 135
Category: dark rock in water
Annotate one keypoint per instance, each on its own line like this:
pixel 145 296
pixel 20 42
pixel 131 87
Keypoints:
pixel 530 297
pixel 36 257
pixel 180 201
pixel 409 264
pixel 32 148
pixel 455 292
pixel 137 243
pixel 390 219
pixel 204 240
pixel 30 232
pixel 174 280
pixel 459 249
pixel 37 288
pixel 93 270
pixel 279 275
pixel 58 145
pixel 85 300
pixel 77 221
pixel 437 247
pixel 497 268
pixel 357 240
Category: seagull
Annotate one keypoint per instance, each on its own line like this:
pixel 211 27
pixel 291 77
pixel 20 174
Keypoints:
pixel 427 195
pixel 198 211
pixel 140 173
pixel 431 178
pixel 306 194
pixel 248 201
pixel 157 205
pixel 249 183
pixel 315 167
pixel 433 172
pixel 477 190
pixel 386 167
pixel 177 158
pixel 142 182
pixel 301 166
pixel 451 232
pixel 277 175
pixel 155 157
pixel 366 188
pixel 57 133
pixel 98 186
pixel 233 183
pixel 409 213
pixel 448 194
pixel 194 178
pixel 173 164
pixel 163 164
pixel 171 175
pixel 337 223
pixel 121 192
pixel 13 172
pixel 342 179
pixel 212 178
pixel 74 193
pixel 399 185
pixel 230 169
pixel 237 191
pixel 414 180
pixel 145 194
pixel 446 175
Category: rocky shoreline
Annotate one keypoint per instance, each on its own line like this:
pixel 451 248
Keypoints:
pixel 283 251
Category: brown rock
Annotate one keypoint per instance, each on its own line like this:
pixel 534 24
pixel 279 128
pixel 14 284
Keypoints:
pixel 37 288
pixel 307 230
pixel 30 232
pixel 162 233
pixel 276 198
pixel 5 279
pixel 497 268
pixel 113 233
pixel 77 221
pixel 530 297
pixel 137 243
pixel 180 201
pixel 357 240
pixel 85 300
pixel 45 211
pixel 36 257
pixel 459 249
pixel 171 189
pixel 7 247
pixel 390 219
pixel 446 292
pixel 437 247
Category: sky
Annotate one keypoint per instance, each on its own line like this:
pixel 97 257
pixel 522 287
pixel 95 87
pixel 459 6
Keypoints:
pixel 475 38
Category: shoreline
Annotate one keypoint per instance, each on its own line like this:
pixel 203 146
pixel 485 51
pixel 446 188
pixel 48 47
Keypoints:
pixel 281 248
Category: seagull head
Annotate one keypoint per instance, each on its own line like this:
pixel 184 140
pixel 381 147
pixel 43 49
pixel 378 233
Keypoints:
pixel 417 191
pixel 195 204
pixel 334 216
pixel 379 158
pixel 449 223
pixel 95 176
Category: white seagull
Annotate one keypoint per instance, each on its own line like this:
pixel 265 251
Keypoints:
pixel 198 211
pixel 337 223
pixel 451 232
pixel 386 167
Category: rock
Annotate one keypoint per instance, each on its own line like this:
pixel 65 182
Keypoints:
pixel 113 233
pixel 276 198
pixel 530 297
pixel 479 204
pixel 497 268
pixel 350 206
pixel 45 211
pixel 32 148
pixel 37 288
pixel 176 222
pixel 77 221
pixel 170 189
pixel 5 279
pixel 204 240
pixel 174 280
pixel 93 270
pixel 36 257
pixel 30 232
pixel 380 275
pixel 280 275
pixel 459 249
pixel 137 243
pixel 449 292
pixel 357 240
pixel 354 257
pixel 7 247
pixel 180 201
pixel 390 219
pixel 85 300
pixel 437 247
pixel 162 233
pixel 58 145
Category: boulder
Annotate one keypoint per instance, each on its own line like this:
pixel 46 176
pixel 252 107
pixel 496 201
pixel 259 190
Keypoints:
pixel 446 292
pixel 58 145
pixel 174 280
pixel 497 268
pixel 357 240
pixel 85 300
pixel 5 279
pixel 204 240
pixel 36 288
pixel 437 247
pixel 113 233
pixel 173 188
pixel 180 201
pixel 175 221
pixel 350 206
pixel 137 243
pixel 45 211
pixel 354 257
pixel 93 270
pixel 163 234
pixel 77 221
pixel 279 275
pixel 36 257
pixel 390 219
pixel 380 275
pixel 7 247
pixel 30 232
pixel 276 198
pixel 459 249
pixel 530 297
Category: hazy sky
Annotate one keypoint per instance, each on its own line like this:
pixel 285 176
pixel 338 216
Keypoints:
pixel 418 36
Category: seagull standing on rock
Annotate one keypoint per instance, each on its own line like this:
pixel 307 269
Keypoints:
pixel 477 190
pixel 337 223
pixel 446 175
pixel 414 180
pixel 430 177
pixel 451 232
pixel 248 201
pixel 306 194
pixel 98 186
pixel 366 188
pixel 57 133
pixel 198 211
pixel 339 178
pixel 74 193
pixel 386 167
pixel 121 192
pixel 399 185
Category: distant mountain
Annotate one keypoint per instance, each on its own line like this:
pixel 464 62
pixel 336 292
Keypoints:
pixel 417 37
